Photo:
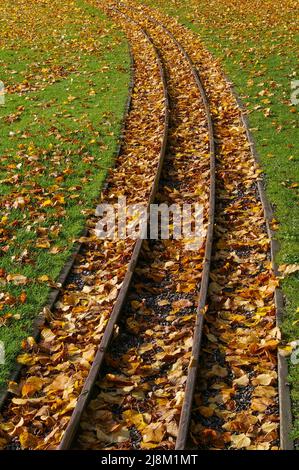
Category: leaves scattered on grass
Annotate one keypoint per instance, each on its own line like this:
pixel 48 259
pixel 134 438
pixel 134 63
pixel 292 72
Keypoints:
pixel 59 129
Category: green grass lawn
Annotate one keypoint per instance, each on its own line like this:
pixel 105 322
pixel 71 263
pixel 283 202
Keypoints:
pixel 66 72
pixel 257 44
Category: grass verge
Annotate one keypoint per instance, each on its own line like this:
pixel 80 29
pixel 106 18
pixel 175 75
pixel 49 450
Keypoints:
pixel 65 68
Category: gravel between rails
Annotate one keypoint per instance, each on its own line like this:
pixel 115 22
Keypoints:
pixel 141 390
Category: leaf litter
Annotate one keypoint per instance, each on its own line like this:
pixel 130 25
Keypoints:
pixel 236 406
pixel 236 402
pixel 140 393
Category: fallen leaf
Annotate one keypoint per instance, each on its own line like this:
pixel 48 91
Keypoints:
pixel 154 432
pixel 240 441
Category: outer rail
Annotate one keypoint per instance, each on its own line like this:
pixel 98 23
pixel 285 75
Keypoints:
pixel 84 398
pixel 285 414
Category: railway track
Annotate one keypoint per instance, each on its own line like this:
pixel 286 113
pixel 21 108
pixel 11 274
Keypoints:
pixel 144 383
pixel 87 390
pixel 190 148
pixel 144 299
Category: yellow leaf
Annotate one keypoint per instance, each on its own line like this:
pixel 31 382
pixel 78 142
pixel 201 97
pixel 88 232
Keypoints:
pixel 43 244
pixel 47 203
pixel 138 419
pixel 240 441
pixel 43 278
pixel 242 381
pixel 25 359
pixel 59 383
pixel 154 432
pixel 27 440
pixel 265 391
pixel 269 427
pixel 264 379
pixel 47 335
pixel 287 269
pixel 33 384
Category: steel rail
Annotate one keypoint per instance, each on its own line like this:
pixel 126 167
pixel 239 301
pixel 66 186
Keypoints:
pixel 84 398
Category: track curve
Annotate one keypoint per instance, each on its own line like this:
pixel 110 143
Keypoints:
pixel 140 388
pixel 189 391
pixel 197 327
pixel 240 191
pixel 84 398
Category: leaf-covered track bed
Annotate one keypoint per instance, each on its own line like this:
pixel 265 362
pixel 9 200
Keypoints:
pixel 236 400
pixel 140 391
pixel 56 367
pixel 138 400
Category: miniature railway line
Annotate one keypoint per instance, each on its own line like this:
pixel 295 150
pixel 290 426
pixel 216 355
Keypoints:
pixel 204 149
pixel 192 371
pixel 70 434
pixel 229 153
pixel 139 392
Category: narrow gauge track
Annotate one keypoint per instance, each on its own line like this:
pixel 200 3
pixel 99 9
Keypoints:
pixel 192 370
pixel 57 362
pixel 85 396
pixel 250 407
pixel 190 152
pixel 112 418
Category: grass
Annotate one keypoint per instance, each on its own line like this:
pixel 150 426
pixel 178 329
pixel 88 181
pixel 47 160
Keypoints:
pixel 257 45
pixel 66 72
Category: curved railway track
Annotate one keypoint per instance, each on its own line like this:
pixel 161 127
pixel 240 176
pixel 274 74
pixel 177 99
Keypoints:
pixel 84 398
pixel 223 100
pixel 127 395
pixel 204 145
pixel 192 370
pixel 68 439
